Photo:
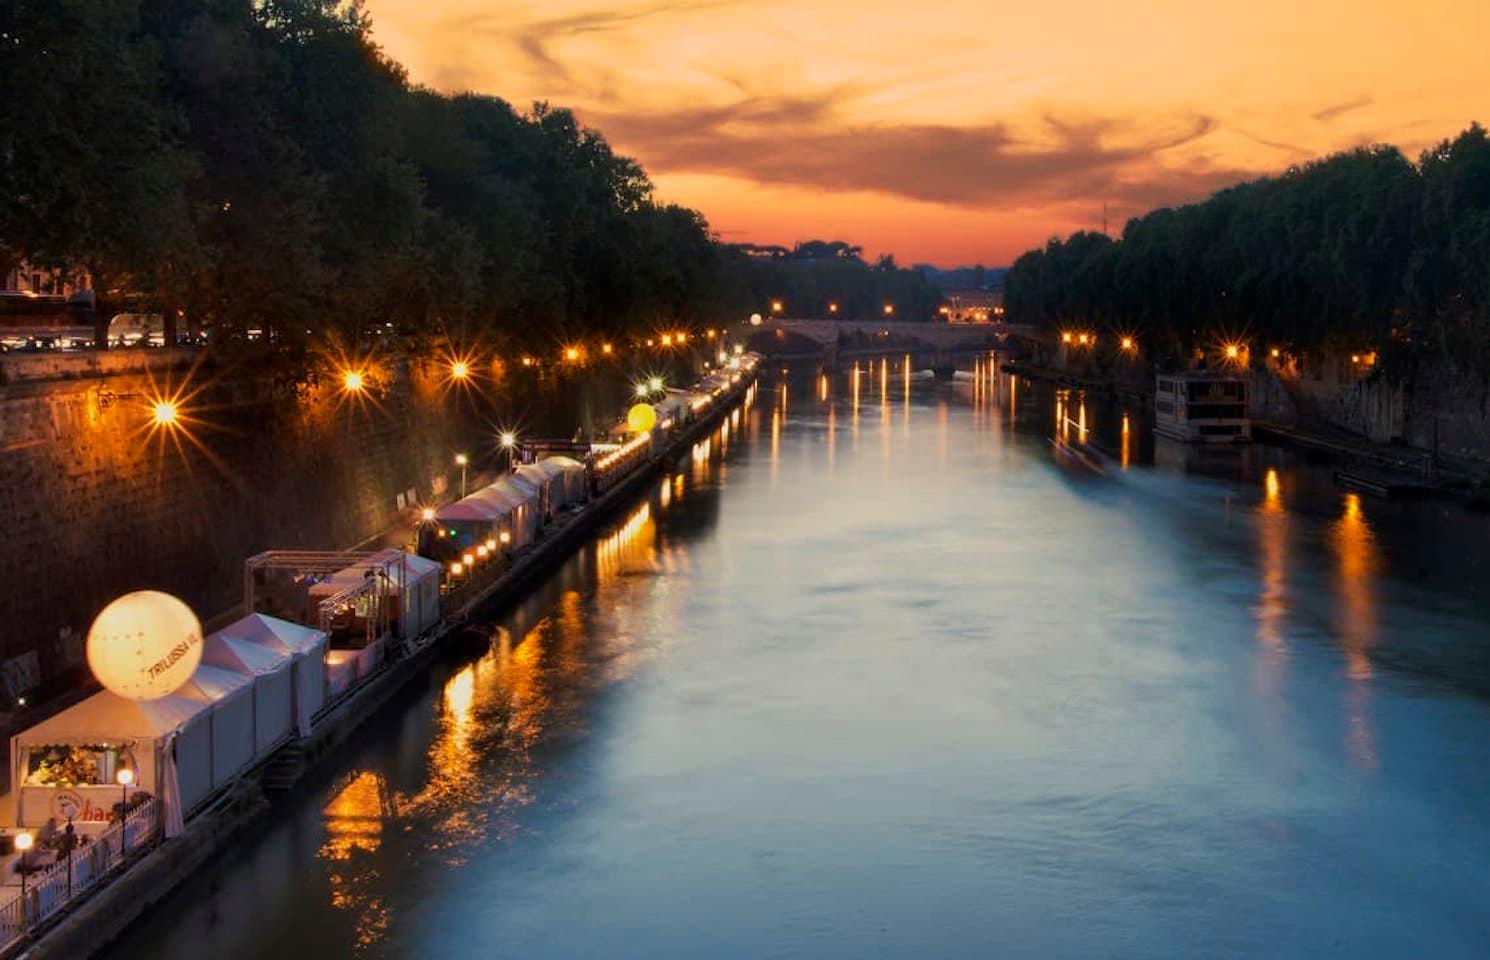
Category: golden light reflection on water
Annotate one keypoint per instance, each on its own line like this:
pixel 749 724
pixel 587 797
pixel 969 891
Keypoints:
pixel 1358 559
pixel 1273 532
pixel 355 820
pixel 1125 449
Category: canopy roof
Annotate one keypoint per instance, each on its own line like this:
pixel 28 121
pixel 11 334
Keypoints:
pixel 416 568
pixel 212 684
pixel 275 633
pixel 517 486
pixel 106 717
pixel 242 656
pixel 564 463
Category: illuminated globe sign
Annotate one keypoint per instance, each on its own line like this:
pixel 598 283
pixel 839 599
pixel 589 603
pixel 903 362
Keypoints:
pixel 144 645
pixel 755 320
pixel 641 418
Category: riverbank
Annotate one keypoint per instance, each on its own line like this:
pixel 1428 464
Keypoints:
pixel 89 926
pixel 1380 469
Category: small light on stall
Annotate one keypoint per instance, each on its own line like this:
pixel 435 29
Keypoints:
pixel 1066 337
pixel 606 348
pixel 481 552
pixel 641 390
pixel 455 569
pixel 667 339
pixel 1128 344
pixel 427 514
pixel 1275 353
pixel 491 543
pixel 505 537
pixel 468 560
pixel 655 383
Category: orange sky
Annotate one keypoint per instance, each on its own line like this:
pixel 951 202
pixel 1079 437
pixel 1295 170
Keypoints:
pixel 956 131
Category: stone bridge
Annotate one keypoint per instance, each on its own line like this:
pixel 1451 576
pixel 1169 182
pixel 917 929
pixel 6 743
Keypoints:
pixel 817 336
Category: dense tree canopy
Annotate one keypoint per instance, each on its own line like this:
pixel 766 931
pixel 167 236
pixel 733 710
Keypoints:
pixel 1360 249
pixel 813 275
pixel 259 164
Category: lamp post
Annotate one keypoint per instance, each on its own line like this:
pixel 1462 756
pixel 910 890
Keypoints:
pixel 23 844
pixel 461 460
pixel 509 443
pixel 125 776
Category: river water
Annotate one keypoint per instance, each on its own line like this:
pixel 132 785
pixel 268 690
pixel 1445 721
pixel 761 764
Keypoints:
pixel 899 668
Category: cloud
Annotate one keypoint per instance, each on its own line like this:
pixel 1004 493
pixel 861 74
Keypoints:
pixel 798 141
pixel 1335 110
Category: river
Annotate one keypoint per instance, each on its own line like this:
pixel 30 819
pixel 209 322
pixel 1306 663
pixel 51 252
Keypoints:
pixel 899 668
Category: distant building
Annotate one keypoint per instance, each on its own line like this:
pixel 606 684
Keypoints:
pixel 26 280
pixel 973 306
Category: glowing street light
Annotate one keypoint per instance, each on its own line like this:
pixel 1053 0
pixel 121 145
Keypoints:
pixel 23 844
pixel 606 349
pixel 1128 345
pixel 832 308
pixel 352 381
pixel 1065 336
pixel 125 777
pixel 164 413
pixel 667 339
pixel 460 369
pixel 776 306
pixel 1233 351
pixel 641 390
pixel 427 515
pixel 461 460
pixel 889 309
pixel 655 384
pixel 571 354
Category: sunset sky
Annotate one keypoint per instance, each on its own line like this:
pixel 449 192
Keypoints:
pixel 959 131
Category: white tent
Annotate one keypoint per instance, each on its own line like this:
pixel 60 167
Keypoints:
pixel 231 716
pixel 419 605
pixel 274 716
pixel 307 647
pixel 525 518
pixel 542 479
pixel 168 740
pixel 573 473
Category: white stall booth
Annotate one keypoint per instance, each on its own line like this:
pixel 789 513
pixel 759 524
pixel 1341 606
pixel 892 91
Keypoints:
pixel 573 477
pixel 273 680
pixel 230 699
pixel 69 762
pixel 306 648
pixel 419 602
pixel 526 518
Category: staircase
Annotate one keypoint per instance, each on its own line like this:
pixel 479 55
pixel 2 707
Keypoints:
pixel 284 769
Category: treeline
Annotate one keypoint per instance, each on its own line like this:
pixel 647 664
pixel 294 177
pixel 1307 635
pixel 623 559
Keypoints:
pixel 261 165
pixel 1360 250
pixel 814 276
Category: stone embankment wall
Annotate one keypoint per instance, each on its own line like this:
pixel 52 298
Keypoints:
pixel 97 503
pixel 1435 409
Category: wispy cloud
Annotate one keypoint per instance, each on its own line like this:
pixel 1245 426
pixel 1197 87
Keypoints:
pixel 1340 109
pixel 799 141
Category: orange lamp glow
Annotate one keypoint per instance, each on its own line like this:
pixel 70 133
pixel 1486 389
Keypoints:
pixel 460 370
pixel 352 381
pixel 164 413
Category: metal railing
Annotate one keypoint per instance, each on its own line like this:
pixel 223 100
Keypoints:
pixel 49 890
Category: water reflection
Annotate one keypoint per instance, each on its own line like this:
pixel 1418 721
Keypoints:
pixel 809 725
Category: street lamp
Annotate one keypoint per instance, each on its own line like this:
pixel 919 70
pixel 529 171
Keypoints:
pixel 655 384
pixel 461 460
pixel 125 777
pixel 509 443
pixel 23 844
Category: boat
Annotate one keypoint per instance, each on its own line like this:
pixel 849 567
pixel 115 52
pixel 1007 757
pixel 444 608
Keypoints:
pixel 1202 406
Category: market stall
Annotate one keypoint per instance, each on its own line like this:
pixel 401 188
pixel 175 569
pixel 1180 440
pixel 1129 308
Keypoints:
pixel 307 649
pixel 273 679
pixel 420 596
pixel 573 478
pixel 230 701
pixel 70 762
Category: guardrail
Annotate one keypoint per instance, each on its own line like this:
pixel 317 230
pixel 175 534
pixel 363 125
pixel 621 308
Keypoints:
pixel 48 891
